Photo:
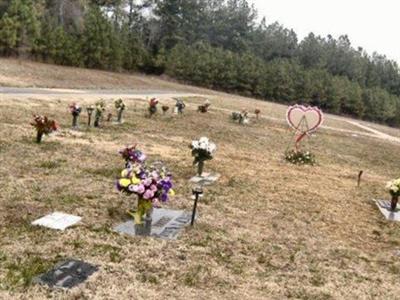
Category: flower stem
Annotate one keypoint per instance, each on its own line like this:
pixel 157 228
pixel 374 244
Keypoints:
pixel 393 204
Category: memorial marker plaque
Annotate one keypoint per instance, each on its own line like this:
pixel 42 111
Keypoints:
pixel 166 224
pixel 67 274
pixel 57 220
pixel 385 208
pixel 205 179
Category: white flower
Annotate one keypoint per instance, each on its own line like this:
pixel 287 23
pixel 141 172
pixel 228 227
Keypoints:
pixel 204 144
pixel 204 140
pixel 211 148
pixel 393 186
pixel 195 144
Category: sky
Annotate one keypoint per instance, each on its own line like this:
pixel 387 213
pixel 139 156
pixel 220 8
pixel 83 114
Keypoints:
pixel 373 25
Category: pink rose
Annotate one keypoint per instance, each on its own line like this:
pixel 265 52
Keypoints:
pixel 148 194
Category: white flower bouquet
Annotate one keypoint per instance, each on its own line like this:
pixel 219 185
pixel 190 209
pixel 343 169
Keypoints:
pixel 202 150
pixel 394 189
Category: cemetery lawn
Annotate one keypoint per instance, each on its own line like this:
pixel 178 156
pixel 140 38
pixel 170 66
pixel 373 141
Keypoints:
pixel 266 230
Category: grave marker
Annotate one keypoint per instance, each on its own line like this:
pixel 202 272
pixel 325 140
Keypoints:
pixel 57 220
pixel 67 274
pixel 386 209
pixel 205 179
pixel 166 224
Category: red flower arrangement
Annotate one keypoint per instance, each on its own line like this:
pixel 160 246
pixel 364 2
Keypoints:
pixel 43 126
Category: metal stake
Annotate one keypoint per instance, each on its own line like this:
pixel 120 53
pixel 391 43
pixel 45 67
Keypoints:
pixel 197 191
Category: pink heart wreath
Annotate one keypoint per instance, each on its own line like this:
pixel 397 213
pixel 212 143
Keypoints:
pixel 310 116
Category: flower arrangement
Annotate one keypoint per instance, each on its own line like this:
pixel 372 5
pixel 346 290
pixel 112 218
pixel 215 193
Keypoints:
pixel 180 106
pixel 132 155
pixel 241 117
pixel 153 106
pixel 299 157
pixel 75 110
pixel 120 106
pixel 393 187
pixel 90 110
pixel 43 126
pixel 100 108
pixel 204 108
pixel 202 150
pixel 152 185
pixel 165 108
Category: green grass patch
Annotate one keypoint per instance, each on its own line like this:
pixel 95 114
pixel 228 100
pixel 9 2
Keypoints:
pixel 21 272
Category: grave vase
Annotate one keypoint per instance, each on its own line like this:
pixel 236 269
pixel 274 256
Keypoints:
pixel 200 167
pixel 393 204
pixel 144 217
pixel 75 121
pixel 119 116
pixel 97 121
pixel 89 119
pixel 39 136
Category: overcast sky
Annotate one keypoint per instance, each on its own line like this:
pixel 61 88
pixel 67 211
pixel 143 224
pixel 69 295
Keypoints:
pixel 373 25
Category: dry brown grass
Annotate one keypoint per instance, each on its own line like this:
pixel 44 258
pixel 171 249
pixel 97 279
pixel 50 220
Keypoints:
pixel 267 229
pixel 23 73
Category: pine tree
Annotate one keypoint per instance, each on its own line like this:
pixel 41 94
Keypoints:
pixel 8 34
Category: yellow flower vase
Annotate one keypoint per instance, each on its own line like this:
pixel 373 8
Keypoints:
pixel 143 217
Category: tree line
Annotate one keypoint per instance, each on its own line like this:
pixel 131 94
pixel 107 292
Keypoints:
pixel 212 43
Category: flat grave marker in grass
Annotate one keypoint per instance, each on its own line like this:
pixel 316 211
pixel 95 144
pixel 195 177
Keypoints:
pixel 385 208
pixel 67 274
pixel 205 179
pixel 58 221
pixel 166 224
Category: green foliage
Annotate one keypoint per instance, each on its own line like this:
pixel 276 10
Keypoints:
pixel 22 29
pixel 20 273
pixel 100 43
pixel 8 34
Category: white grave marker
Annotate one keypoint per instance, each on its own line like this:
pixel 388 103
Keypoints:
pixel 205 179
pixel 384 207
pixel 58 221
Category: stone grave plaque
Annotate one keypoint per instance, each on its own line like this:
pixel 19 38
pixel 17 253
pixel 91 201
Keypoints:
pixel 67 274
pixel 205 179
pixel 166 224
pixel 384 207
pixel 57 220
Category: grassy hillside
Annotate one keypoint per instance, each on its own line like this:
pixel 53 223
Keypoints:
pixel 267 229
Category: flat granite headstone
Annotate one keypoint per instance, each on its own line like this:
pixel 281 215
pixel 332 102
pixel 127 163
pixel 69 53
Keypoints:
pixel 67 274
pixel 57 220
pixel 205 179
pixel 166 224
pixel 384 207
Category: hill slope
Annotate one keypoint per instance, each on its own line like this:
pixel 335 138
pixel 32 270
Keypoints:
pixel 267 229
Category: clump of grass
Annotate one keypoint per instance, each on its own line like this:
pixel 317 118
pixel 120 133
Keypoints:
pixel 70 199
pixel 51 164
pixel 148 277
pixel 195 275
pixel 21 272
pixel 49 146
pixel 104 172
pixel 113 252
